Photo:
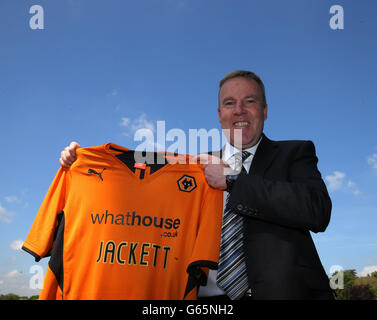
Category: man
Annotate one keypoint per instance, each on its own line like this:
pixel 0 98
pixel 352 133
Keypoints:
pixel 278 198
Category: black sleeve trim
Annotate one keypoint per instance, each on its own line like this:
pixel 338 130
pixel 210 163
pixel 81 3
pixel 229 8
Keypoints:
pixel 37 257
pixel 197 276
pixel 203 263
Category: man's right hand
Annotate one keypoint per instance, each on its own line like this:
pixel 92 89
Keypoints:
pixel 68 155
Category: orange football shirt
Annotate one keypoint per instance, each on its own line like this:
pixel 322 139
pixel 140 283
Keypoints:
pixel 120 229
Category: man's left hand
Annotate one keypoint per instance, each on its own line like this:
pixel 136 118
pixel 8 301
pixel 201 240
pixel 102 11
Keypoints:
pixel 214 170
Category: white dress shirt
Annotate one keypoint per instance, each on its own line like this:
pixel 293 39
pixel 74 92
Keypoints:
pixel 211 289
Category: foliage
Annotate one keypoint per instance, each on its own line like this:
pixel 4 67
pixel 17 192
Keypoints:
pixel 370 281
pixel 357 288
pixel 358 292
pixel 12 296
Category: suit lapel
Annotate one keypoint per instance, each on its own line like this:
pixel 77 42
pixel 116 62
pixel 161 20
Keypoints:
pixel 263 157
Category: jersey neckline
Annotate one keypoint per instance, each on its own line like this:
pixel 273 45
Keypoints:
pixel 171 158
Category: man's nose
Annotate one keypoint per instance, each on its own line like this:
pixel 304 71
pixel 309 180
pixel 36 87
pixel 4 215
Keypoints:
pixel 238 107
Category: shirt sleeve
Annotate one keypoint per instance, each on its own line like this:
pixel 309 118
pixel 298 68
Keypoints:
pixel 207 245
pixel 40 240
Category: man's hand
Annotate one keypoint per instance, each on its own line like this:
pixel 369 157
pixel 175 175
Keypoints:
pixel 68 155
pixel 214 170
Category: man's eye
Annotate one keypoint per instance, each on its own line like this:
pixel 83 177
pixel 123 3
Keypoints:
pixel 250 101
pixel 229 103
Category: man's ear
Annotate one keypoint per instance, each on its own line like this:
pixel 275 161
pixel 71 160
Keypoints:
pixel 265 112
pixel 219 113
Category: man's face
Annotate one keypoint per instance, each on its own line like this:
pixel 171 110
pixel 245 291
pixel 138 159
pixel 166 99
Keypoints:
pixel 241 107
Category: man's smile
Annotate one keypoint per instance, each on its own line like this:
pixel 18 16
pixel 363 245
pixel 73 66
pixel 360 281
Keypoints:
pixel 241 124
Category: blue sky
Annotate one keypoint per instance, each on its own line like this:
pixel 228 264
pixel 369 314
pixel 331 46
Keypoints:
pixel 100 70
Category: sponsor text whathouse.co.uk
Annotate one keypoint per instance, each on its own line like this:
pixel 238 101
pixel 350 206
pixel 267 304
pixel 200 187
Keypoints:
pixel 170 225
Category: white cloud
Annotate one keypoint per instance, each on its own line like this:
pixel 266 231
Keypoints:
pixel 337 181
pixel 132 125
pixel 367 271
pixel 16 244
pixel 17 282
pixel 372 161
pixel 125 122
pixel 142 129
pixel 13 274
pixel 353 188
pixel 6 215
pixel 11 199
pixel 2 210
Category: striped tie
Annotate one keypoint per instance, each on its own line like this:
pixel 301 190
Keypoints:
pixel 231 276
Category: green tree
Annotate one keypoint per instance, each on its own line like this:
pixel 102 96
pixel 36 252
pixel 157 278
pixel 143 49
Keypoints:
pixel 349 276
pixel 369 281
pixel 358 292
pixel 9 296
pixel 12 296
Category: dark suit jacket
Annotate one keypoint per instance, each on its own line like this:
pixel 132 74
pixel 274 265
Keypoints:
pixel 283 197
